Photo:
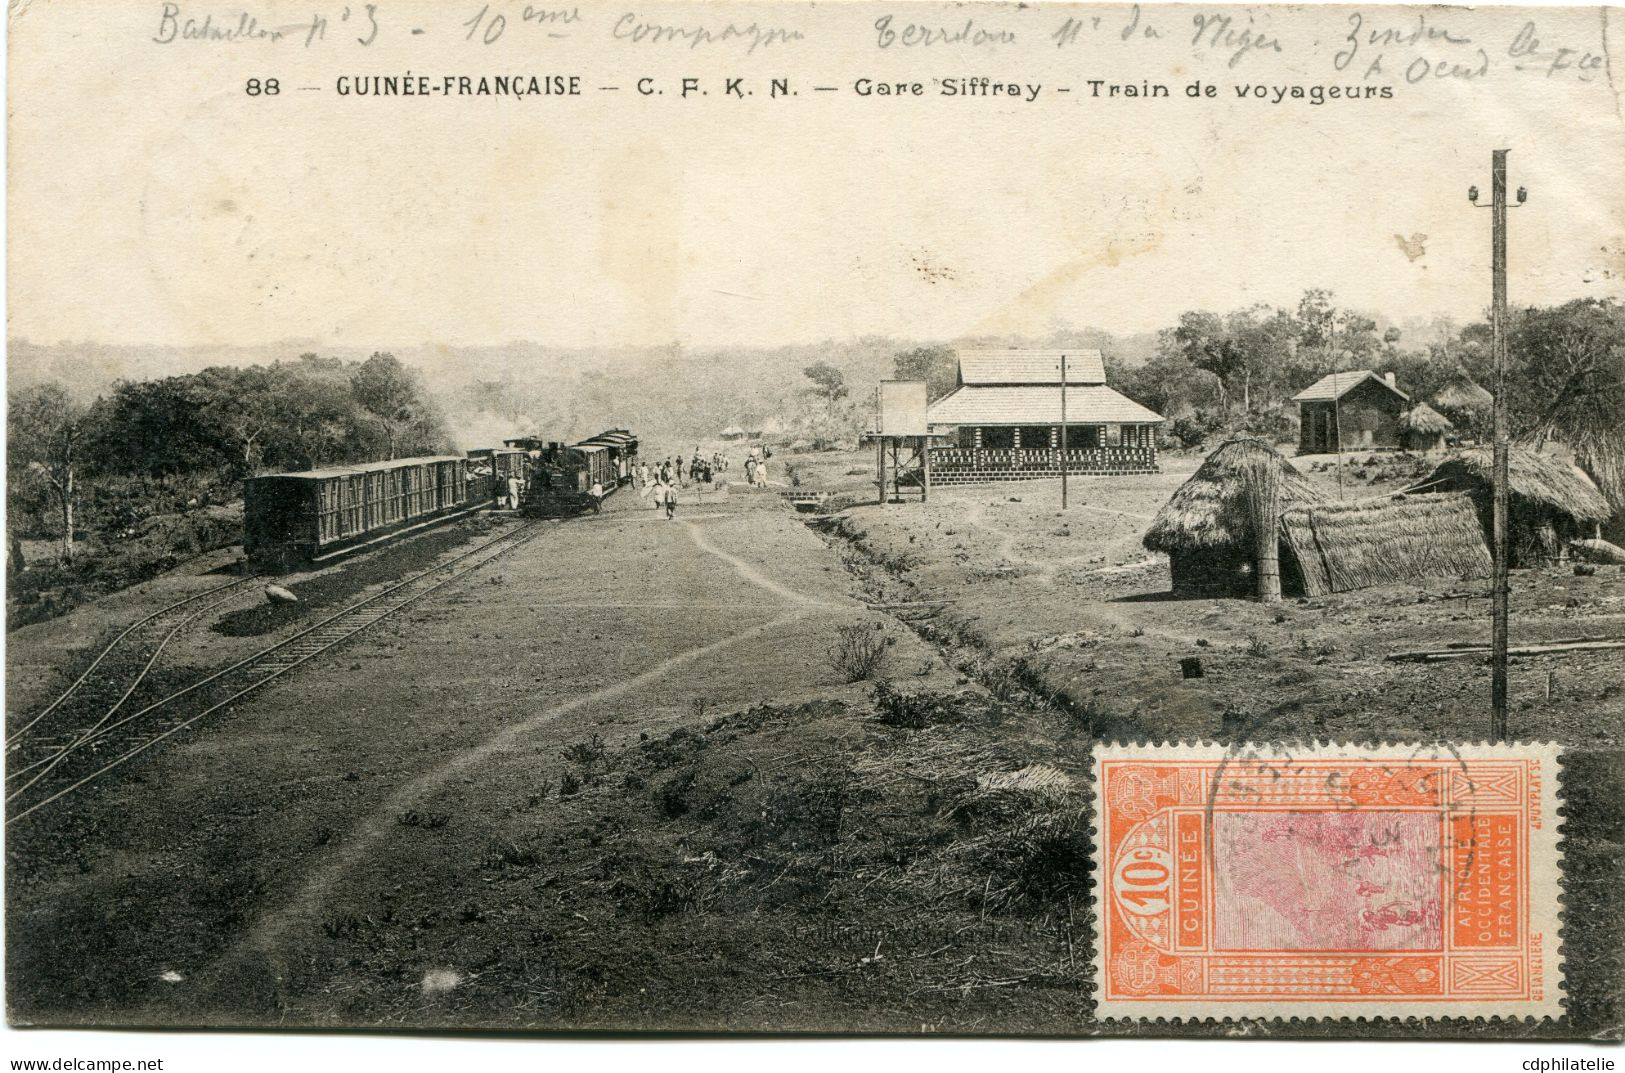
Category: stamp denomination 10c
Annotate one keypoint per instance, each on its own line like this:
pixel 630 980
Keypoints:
pixel 1327 881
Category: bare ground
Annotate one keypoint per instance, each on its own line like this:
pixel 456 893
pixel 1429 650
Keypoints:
pixel 615 780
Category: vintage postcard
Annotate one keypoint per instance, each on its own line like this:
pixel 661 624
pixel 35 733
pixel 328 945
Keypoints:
pixel 1327 881
pixel 638 517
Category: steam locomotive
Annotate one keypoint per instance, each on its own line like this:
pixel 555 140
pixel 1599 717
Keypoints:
pixel 571 479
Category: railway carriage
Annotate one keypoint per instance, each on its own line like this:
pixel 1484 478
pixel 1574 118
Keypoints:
pixel 622 448
pixel 293 518
pixel 489 469
pixel 577 478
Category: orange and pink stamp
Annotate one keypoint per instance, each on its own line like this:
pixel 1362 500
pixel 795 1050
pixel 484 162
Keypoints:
pixel 1327 881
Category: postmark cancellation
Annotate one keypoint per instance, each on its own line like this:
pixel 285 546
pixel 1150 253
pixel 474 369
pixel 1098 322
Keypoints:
pixel 1327 881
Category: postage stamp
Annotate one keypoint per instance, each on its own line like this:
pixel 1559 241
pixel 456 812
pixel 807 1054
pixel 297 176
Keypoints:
pixel 1327 881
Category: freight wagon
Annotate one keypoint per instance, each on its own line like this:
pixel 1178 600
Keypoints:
pixel 294 518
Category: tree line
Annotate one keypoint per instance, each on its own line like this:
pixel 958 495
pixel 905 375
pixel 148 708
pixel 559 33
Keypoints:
pixel 147 446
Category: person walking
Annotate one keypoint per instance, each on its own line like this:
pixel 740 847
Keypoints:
pixel 750 471
pixel 671 502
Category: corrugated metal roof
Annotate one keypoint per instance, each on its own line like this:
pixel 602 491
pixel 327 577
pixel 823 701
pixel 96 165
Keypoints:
pixel 358 468
pixel 1038 405
pixel 614 438
pixel 1336 385
pixel 1030 367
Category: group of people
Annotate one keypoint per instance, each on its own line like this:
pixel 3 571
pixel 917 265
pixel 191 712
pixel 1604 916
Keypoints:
pixel 756 466
pixel 660 481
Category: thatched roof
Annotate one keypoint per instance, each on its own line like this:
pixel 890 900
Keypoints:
pixel 1462 393
pixel 1343 546
pixel 1532 477
pixel 1212 508
pixel 1424 419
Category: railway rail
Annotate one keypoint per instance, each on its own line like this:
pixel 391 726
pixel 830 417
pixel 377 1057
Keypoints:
pixel 121 666
pixel 96 748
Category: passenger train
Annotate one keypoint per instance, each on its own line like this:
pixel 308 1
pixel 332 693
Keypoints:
pixel 295 519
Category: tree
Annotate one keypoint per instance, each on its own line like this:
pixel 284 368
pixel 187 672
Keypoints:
pixel 938 366
pixel 828 382
pixel 1261 347
pixel 44 434
pixel 1316 319
pixel 1570 384
pixel 243 402
pixel 1204 342
pixel 315 416
pixel 158 428
pixel 387 390
pixel 1169 383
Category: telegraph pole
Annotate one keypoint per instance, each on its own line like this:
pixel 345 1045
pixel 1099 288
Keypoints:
pixel 1498 347
pixel 1063 431
pixel 1337 397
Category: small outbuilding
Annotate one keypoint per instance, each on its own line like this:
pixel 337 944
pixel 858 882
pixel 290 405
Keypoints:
pixel 1423 429
pixel 1337 547
pixel 1464 402
pixel 1349 411
pixel 1207 530
pixel 732 433
pixel 1550 502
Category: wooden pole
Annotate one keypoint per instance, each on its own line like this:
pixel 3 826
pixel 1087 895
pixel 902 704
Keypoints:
pixel 880 448
pixel 1265 496
pixel 1063 431
pixel 880 468
pixel 925 455
pixel 1498 316
pixel 1337 400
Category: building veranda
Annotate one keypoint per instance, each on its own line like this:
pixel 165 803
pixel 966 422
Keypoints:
pixel 1004 420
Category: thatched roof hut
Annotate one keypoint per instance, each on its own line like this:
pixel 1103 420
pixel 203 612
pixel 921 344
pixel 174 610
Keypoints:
pixel 1550 501
pixel 1422 428
pixel 1343 546
pixel 1206 527
pixel 1462 394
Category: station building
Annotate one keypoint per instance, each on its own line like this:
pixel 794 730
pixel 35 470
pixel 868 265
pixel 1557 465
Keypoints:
pixel 1003 422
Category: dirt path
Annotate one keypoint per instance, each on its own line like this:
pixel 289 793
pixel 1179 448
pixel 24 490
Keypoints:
pixel 372 831
pixel 228 853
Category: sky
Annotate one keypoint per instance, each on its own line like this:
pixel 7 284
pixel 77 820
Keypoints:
pixel 153 201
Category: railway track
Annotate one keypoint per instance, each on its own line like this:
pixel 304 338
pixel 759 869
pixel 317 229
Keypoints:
pixel 48 771
pixel 119 668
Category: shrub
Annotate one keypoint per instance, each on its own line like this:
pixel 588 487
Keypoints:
pixel 913 711
pixel 858 652
pixel 585 753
